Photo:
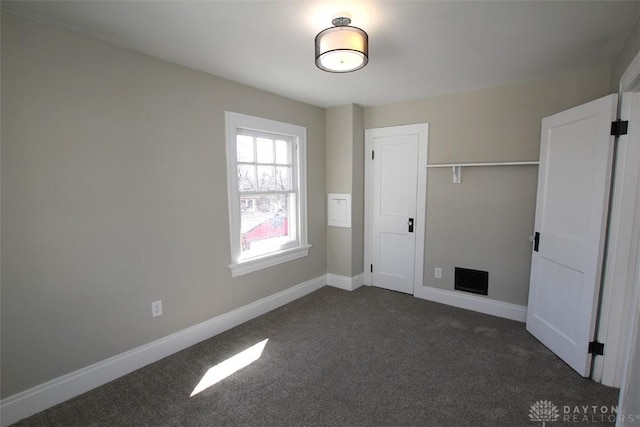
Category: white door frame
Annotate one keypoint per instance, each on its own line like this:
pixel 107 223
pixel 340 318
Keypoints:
pixel 615 309
pixel 422 130
pixel 629 385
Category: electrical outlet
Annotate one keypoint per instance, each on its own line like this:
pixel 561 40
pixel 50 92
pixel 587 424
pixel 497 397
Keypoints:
pixel 156 308
pixel 438 273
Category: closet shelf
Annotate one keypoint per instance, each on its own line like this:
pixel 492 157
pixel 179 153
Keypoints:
pixel 457 167
pixel 450 165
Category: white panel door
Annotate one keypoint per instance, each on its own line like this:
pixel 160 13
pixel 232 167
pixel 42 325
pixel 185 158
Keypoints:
pixel 571 209
pixel 394 201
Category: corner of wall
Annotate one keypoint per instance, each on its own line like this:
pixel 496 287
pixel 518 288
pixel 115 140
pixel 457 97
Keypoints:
pixel 627 53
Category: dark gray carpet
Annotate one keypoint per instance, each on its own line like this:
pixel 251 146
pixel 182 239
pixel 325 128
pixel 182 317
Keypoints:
pixel 368 357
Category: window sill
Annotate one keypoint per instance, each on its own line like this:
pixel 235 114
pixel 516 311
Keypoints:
pixel 255 264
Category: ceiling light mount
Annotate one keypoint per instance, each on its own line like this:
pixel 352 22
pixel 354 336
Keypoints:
pixel 342 48
pixel 341 21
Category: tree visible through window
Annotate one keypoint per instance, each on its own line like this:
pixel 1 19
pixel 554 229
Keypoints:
pixel 266 191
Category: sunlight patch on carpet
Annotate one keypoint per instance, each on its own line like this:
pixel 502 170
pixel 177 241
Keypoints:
pixel 230 366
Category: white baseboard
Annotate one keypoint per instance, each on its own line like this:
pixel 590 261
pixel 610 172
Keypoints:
pixel 474 303
pixel 344 282
pixel 43 396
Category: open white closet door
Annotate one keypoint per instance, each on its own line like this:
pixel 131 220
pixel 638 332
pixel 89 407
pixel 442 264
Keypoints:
pixel 574 175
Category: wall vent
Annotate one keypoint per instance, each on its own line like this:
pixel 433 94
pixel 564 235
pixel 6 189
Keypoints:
pixel 475 281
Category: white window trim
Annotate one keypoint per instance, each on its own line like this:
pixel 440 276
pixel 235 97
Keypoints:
pixel 235 121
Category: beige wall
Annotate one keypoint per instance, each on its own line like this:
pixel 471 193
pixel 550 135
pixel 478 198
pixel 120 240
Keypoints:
pixel 357 192
pixel 114 195
pixel 345 174
pixel 628 52
pixel 339 129
pixel 484 222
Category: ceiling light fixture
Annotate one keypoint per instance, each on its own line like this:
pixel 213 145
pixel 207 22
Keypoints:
pixel 342 48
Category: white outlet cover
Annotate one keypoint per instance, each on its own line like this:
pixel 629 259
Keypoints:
pixel 156 308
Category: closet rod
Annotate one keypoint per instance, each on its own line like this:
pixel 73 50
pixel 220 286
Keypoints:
pixel 449 165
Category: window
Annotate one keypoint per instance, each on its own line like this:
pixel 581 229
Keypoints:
pixel 266 166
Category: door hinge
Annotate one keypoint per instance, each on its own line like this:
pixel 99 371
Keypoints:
pixel 596 348
pixel 619 127
pixel 373 154
pixel 372 268
pixel 536 241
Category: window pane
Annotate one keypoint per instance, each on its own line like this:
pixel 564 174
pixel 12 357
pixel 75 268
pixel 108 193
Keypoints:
pixel 244 148
pixel 264 224
pixel 266 178
pixel 246 178
pixel 283 178
pixel 265 150
pixel 267 218
pixel 283 152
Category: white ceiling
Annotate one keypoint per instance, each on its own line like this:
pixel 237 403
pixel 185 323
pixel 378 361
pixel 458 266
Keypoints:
pixel 417 48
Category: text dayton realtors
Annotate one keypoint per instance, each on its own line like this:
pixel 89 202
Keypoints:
pixel 594 413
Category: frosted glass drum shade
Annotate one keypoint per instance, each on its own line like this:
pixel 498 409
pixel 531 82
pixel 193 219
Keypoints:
pixel 342 49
